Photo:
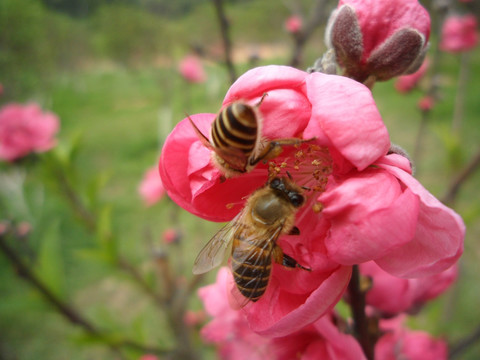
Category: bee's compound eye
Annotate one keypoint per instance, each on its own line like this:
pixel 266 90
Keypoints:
pixel 275 183
pixel 296 199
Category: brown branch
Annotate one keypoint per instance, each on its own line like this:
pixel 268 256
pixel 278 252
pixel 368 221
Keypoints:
pixel 227 44
pixel 360 320
pixel 463 176
pixel 137 278
pixel 301 38
pixel 457 349
pixel 66 310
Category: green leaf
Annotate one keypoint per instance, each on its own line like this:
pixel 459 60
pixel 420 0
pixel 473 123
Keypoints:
pixel 50 267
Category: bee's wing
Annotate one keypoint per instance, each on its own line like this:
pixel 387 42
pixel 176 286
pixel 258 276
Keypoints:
pixel 216 249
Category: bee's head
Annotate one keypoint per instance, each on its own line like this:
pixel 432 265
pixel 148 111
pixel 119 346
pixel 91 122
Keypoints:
pixel 287 189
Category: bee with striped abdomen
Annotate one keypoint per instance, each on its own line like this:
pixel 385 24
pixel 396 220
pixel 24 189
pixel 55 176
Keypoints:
pixel 236 139
pixel 253 234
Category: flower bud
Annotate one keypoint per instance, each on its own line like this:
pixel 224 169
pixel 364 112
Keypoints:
pixel 378 40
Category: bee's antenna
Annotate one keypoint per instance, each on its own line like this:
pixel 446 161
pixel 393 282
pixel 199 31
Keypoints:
pixel 261 100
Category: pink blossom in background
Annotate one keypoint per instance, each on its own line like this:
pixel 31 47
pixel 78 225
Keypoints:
pixel 380 39
pixel 229 329
pixel 406 83
pixel 192 70
pixel 26 129
pixel 373 209
pixel 459 33
pixel 392 295
pixel 293 24
pixel 171 235
pixel 426 103
pixel 193 318
pixel 148 357
pixel 401 343
pixel 151 188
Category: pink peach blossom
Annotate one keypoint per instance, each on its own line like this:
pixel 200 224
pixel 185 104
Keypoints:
pixel 193 318
pixel 229 329
pixel 25 129
pixel 407 83
pixel 293 24
pixel 401 343
pixel 373 209
pixel 426 103
pixel 151 188
pixel 171 235
pixel 321 340
pixel 459 33
pixel 192 69
pixel 392 295
pixel 379 39
pixel 148 357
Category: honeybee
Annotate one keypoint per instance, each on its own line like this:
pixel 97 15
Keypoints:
pixel 236 139
pixel 253 234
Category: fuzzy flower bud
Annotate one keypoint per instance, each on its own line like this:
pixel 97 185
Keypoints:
pixel 378 40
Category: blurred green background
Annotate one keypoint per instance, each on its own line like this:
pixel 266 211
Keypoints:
pixel 109 70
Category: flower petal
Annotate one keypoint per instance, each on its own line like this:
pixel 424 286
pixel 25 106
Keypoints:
pixel 438 240
pixel 370 215
pixel 255 82
pixel 355 128
pixel 291 313
pixel 193 181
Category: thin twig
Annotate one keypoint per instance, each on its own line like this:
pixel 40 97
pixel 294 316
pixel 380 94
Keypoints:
pixel 463 176
pixel 357 304
pixel 461 91
pixel 137 278
pixel 300 38
pixel 66 310
pixel 457 349
pixel 227 44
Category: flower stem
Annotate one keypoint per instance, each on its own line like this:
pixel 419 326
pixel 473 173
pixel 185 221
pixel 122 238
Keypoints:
pixel 360 320
pixel 469 170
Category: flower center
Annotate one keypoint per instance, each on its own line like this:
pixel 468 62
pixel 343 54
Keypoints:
pixel 309 166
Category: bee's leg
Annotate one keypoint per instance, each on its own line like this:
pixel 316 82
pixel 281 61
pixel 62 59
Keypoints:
pixel 274 148
pixel 257 105
pixel 286 260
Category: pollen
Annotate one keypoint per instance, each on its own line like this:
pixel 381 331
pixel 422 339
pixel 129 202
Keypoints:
pixel 317 207
pixel 309 166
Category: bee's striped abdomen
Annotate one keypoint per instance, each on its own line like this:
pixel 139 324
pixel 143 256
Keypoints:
pixel 235 128
pixel 251 265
